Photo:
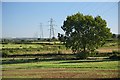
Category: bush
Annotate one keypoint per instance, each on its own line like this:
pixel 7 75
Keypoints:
pixel 20 46
pixel 94 54
pixel 11 51
pixel 30 47
pixel 116 52
pixel 5 54
pixel 82 55
pixel 59 52
pixel 38 50
pixel 36 59
pixel 114 57
pixel 27 50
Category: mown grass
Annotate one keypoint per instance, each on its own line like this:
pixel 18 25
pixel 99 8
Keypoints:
pixel 82 64
pixel 62 69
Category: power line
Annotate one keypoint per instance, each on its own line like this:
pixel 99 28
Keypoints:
pixel 52 32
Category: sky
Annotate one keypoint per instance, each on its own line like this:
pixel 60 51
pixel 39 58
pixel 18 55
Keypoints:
pixel 0 20
pixel 60 0
pixel 22 19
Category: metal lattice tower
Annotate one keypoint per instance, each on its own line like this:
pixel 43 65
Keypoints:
pixel 41 31
pixel 51 29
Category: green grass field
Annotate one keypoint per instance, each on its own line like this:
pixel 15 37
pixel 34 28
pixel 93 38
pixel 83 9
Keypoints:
pixel 35 68
pixel 44 48
pixel 56 66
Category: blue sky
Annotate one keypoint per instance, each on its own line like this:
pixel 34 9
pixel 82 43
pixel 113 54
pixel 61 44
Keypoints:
pixel 22 19
pixel 0 20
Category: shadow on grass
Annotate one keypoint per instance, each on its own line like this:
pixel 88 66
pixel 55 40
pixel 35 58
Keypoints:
pixel 17 61
pixel 70 60
pixel 37 55
pixel 26 58
pixel 87 61
pixel 29 58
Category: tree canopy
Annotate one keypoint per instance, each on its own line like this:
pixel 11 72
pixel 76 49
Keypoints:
pixel 85 32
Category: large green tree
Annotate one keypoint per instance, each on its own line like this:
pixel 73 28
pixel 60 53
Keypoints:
pixel 85 32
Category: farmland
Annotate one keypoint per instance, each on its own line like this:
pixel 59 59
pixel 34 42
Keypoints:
pixel 52 40
pixel 48 47
pixel 62 69
pixel 54 60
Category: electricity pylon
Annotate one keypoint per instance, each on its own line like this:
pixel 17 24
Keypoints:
pixel 52 34
pixel 41 31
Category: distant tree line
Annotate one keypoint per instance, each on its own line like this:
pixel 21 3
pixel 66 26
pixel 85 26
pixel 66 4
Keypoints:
pixel 61 37
pixel 26 40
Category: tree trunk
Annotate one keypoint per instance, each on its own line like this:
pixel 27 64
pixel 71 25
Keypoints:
pixel 84 49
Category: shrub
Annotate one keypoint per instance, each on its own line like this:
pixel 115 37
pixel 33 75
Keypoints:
pixel 114 56
pixel 82 55
pixel 59 52
pixel 27 50
pixel 36 59
pixel 5 54
pixel 11 51
pixel 30 47
pixel 116 52
pixel 20 46
pixel 94 54
pixel 38 50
